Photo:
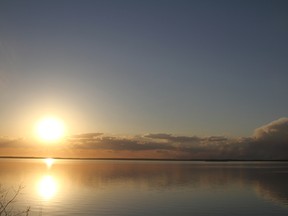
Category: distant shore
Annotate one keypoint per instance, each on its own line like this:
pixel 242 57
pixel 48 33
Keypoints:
pixel 144 159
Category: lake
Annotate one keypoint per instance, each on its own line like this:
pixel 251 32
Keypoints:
pixel 141 188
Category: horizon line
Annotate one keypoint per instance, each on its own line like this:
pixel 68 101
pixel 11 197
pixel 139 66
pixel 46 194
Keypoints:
pixel 145 159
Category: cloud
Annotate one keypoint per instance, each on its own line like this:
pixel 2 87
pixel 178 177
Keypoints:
pixel 117 143
pixel 85 136
pixel 160 143
pixel 271 140
pixel 268 142
pixel 171 138
pixel 274 131
pixel 12 142
pixel 6 142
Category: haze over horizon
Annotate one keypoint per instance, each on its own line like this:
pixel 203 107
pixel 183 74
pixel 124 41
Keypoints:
pixel 159 79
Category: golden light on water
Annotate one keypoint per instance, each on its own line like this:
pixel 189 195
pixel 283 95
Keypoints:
pixel 47 187
pixel 50 129
pixel 49 162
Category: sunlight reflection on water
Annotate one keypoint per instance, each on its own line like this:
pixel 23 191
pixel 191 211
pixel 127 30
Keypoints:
pixel 47 187
pixel 70 187
pixel 49 162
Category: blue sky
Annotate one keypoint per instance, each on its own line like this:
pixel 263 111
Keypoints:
pixel 135 67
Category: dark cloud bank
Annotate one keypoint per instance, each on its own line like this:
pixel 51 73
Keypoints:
pixel 269 142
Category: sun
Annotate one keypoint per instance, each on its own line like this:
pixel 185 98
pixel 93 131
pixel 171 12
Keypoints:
pixel 50 129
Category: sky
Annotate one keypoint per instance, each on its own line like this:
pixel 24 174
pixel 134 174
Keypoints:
pixel 153 72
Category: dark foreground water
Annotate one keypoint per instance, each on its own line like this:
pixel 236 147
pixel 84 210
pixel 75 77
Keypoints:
pixel 75 187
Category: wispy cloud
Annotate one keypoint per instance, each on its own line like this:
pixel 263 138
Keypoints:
pixel 117 143
pixel 7 142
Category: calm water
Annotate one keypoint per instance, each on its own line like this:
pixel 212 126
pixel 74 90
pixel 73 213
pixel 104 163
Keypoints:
pixel 73 187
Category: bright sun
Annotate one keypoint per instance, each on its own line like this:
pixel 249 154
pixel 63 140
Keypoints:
pixel 50 129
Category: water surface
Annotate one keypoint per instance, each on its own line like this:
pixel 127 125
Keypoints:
pixel 79 187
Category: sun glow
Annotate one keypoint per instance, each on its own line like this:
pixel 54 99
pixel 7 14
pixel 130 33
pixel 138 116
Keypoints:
pixel 50 129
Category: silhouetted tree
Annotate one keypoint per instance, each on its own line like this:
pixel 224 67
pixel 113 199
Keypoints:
pixel 7 198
